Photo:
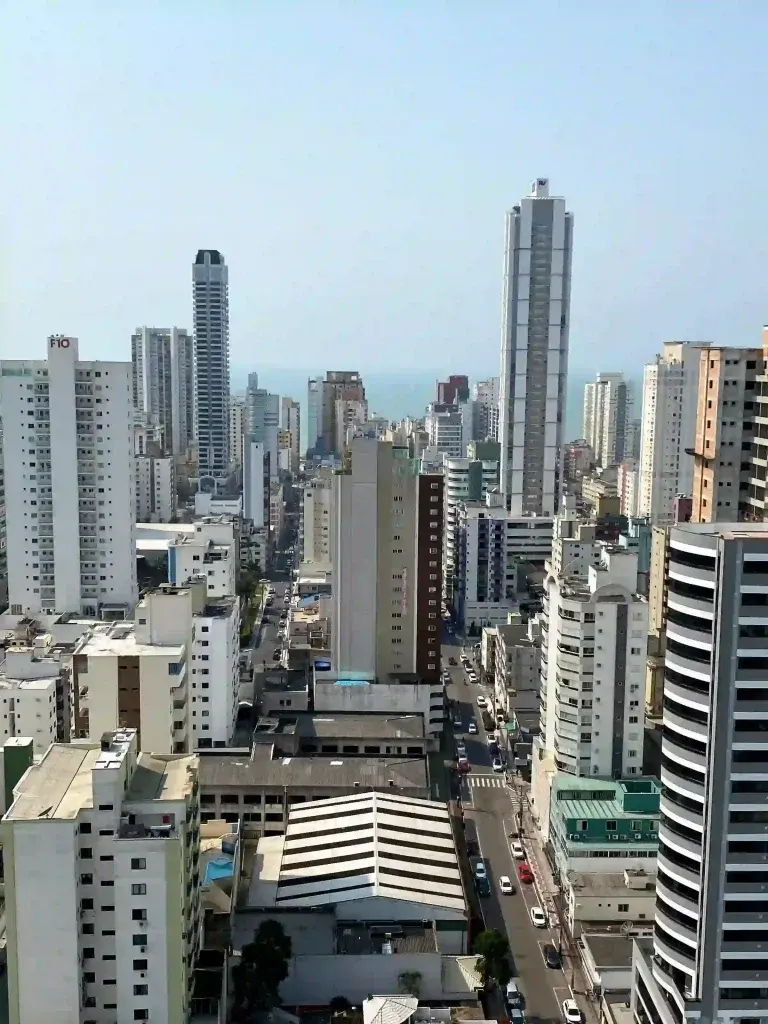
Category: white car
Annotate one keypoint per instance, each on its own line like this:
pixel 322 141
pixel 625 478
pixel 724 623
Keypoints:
pixel 505 884
pixel 538 917
pixel 497 764
pixel 481 701
pixel 571 1012
pixel 517 851
pixel 472 728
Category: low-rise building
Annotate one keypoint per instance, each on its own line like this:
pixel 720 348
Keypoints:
pixel 155 488
pixel 35 692
pixel 261 789
pixel 350 735
pixel 604 826
pixel 387 904
pixel 101 848
pixel 517 661
pixel 597 898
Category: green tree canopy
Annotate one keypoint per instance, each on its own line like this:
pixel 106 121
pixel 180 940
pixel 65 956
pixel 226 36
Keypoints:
pixel 492 948
pixel 263 967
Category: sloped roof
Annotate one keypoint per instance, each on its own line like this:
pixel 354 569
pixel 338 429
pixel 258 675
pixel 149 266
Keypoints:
pixel 389 1009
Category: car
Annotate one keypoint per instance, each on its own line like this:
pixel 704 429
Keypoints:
pixel 538 917
pixel 473 850
pixel 451 661
pixel 472 727
pixel 571 1011
pixel 516 849
pixel 481 701
pixel 552 958
pixel 513 995
pixel 480 869
pixel 483 886
pixel 461 750
pixel 275 655
pixel 283 615
pixel 497 764
pixel 506 886
pixel 524 873
pixel 516 1017
pixel 457 723
pixel 463 765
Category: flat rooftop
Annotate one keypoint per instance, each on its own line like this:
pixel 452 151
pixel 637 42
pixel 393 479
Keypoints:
pixel 119 639
pixel 262 770
pixel 343 726
pixel 610 950
pixel 611 883
pixel 60 785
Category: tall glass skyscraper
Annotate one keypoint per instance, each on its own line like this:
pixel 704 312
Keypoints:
pixel 210 284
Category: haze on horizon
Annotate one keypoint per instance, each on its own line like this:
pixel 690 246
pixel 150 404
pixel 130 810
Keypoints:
pixel 354 164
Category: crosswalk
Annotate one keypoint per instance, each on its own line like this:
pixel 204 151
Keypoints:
pixel 473 781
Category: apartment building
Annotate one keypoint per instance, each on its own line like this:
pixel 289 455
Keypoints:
pixel 534 350
pixel 262 421
pixel 449 428
pixel 594 630
pixel 68 445
pixel 101 848
pixel 237 429
pixel 318 518
pixel 155 488
pixel 494 551
pixel 723 472
pixel 35 693
pixel 211 550
pixel 314 413
pixel 339 385
pixel 705 960
pixel 255 483
pixel 578 461
pixel 668 428
pixel 466 479
pixel 291 421
pixel 453 390
pixel 627 487
pixel 516 660
pixel 485 409
pixel 162 361
pixel 210 286
pixel 386 551
pixel 608 418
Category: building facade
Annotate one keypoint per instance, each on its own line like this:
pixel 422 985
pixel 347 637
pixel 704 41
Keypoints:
pixel 237 430
pixel 466 479
pixel 318 517
pixel 262 421
pixel 339 385
pixel 210 288
pixel 314 413
pixel 485 409
pixel 668 429
pixel 291 413
pixel 608 418
pixel 101 848
pixel 163 387
pixel 386 550
pixel 155 489
pixel 534 350
pixel 70 518
pixel 705 961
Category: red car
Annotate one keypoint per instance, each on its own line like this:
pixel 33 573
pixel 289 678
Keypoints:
pixel 524 873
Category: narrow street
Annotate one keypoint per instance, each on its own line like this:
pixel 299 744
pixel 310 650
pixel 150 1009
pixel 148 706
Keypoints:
pixel 488 810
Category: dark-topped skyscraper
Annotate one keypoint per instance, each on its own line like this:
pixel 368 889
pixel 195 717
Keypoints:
pixel 210 286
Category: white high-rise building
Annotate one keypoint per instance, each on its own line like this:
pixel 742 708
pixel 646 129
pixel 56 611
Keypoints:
pixel 292 423
pixel 255 484
pixel 707 959
pixel 608 418
pixel 449 428
pixel 101 848
pixel 237 429
pixel 163 383
pixel 318 517
pixel 262 421
pixel 314 412
pixel 668 429
pixel 534 350
pixel 68 447
pixel 485 409
pixel 594 632
pixel 155 489
pixel 210 285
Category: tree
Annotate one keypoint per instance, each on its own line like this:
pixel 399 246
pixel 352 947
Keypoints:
pixel 492 947
pixel 410 983
pixel 339 1004
pixel 264 965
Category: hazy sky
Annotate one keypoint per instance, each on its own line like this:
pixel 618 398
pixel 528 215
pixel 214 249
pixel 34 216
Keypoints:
pixel 354 161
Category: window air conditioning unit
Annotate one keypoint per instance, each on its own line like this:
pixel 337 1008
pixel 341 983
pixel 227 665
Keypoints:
pixel 637 835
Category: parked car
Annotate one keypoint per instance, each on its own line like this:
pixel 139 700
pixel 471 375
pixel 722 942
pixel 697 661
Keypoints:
pixel 506 886
pixel 538 917
pixel 513 995
pixel 516 1017
pixel 571 1011
pixel 472 728
pixel 516 849
pixel 461 750
pixel 452 661
pixel 552 958
pixel 473 850
pixel 483 886
pixel 524 873
pixel 480 869
pixel 481 700
pixel 497 764
pixel 275 655
pixel 457 723
pixel 463 765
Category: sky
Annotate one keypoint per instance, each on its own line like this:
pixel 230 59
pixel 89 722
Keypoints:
pixel 354 162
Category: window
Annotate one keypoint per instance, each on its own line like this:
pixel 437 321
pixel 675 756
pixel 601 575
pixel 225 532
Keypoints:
pixel 139 889
pixel 140 990
pixel 140 939
pixel 86 853
pixel 89 952
pixel 623 908
pixel 140 965
pixel 86 879
pixel 138 914
pixel 610 826
pixel 141 1014
pixel 106 807
pixel 636 826
pixel 85 828
pixel 86 904
pixel 138 863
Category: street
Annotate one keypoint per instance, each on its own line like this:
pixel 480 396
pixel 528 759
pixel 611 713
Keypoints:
pixel 488 813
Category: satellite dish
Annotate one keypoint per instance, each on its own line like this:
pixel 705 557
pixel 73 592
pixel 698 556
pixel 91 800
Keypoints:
pixel 626 928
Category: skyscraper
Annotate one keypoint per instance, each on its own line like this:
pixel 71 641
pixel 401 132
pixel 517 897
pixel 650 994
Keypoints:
pixel 262 421
pixel 291 413
pixel 534 350
pixel 163 383
pixel 339 385
pixel 668 429
pixel 70 516
pixel 706 960
pixel 210 283
pixel 314 412
pixel 607 424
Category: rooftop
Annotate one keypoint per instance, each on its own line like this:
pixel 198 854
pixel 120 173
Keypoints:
pixel 613 883
pixel 610 950
pixel 343 726
pixel 319 866
pixel 119 639
pixel 590 798
pixel 60 785
pixel 308 771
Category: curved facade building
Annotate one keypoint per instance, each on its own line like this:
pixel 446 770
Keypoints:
pixel 709 954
